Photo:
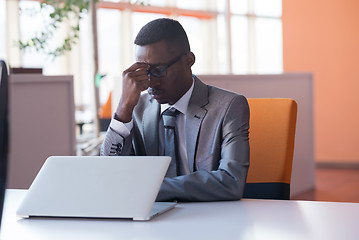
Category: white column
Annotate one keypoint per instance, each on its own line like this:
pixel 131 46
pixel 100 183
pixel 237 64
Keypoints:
pixel 127 45
pixel 229 35
pixel 127 55
pixel 13 33
pixel 252 65
pixel 210 48
pixel 73 64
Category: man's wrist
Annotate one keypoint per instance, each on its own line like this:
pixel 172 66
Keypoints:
pixel 123 114
pixel 115 116
pixel 120 127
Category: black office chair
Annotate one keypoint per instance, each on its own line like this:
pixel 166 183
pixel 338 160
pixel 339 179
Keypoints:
pixel 3 132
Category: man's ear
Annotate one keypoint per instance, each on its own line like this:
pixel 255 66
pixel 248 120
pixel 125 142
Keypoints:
pixel 190 59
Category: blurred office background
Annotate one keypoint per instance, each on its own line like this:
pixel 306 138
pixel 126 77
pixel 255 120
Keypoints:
pixel 227 37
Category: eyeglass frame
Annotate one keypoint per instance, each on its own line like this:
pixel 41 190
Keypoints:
pixel 163 71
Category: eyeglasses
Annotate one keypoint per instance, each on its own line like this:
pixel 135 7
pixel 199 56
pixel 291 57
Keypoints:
pixel 161 70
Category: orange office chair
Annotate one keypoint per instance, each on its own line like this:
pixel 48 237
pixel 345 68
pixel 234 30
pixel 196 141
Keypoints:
pixel 271 139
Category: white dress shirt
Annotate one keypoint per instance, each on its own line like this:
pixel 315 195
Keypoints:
pixel 181 105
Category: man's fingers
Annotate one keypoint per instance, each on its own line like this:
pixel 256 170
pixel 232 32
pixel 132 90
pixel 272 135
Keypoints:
pixel 135 77
pixel 143 87
pixel 139 80
pixel 140 72
pixel 135 66
pixel 142 83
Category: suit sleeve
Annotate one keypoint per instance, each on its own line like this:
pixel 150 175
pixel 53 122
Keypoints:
pixel 116 144
pixel 228 181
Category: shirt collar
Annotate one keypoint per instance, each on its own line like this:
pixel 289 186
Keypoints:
pixel 182 104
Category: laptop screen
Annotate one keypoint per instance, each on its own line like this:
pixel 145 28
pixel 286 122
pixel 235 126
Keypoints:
pixel 3 131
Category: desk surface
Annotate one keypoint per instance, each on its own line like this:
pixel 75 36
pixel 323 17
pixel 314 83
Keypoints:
pixel 245 219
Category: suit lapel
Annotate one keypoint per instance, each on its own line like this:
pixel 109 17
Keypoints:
pixel 150 128
pixel 194 117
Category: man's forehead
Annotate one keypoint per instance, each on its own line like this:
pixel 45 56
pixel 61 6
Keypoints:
pixel 155 53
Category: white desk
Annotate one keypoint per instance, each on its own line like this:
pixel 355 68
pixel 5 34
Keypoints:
pixel 245 219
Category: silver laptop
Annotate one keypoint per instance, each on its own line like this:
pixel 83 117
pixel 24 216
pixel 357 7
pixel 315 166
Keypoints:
pixel 97 187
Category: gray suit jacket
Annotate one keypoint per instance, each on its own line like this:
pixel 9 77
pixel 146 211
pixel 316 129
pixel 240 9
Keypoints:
pixel 217 123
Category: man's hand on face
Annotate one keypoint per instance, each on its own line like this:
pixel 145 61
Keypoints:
pixel 134 81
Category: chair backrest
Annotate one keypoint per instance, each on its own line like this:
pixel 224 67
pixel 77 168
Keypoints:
pixel 271 139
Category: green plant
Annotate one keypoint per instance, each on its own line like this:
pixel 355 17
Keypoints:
pixel 61 10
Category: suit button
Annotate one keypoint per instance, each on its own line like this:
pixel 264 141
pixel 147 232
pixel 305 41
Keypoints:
pixel 119 148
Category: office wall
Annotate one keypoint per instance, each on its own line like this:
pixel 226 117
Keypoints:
pixel 322 37
pixel 296 86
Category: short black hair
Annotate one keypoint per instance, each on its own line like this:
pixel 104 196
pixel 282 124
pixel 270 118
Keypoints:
pixel 163 29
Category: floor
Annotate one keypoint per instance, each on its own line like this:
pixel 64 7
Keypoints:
pixel 334 185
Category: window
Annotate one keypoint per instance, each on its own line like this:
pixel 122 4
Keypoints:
pixel 109 45
pixel 227 37
pixel 31 21
pixel 256 36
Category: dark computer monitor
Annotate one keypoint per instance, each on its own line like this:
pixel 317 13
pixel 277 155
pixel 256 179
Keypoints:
pixel 4 141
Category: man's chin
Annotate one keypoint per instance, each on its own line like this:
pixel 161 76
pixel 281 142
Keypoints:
pixel 161 101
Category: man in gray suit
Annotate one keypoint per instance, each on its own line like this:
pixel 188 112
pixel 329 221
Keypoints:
pixel 211 125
